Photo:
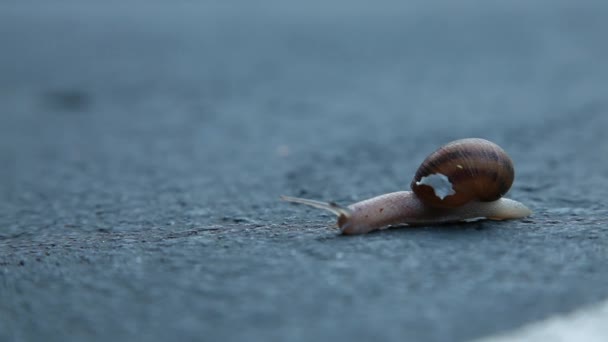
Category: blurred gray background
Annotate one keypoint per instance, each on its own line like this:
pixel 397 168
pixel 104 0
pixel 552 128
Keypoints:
pixel 143 147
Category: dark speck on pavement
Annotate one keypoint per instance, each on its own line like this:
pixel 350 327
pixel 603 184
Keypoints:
pixel 144 147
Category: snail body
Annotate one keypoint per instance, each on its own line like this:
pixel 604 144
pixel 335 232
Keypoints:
pixel 462 181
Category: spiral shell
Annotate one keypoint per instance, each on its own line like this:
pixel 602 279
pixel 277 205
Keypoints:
pixel 462 171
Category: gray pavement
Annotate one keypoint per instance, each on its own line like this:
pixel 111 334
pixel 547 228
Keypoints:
pixel 144 147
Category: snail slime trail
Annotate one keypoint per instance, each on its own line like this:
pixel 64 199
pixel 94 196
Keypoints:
pixel 462 181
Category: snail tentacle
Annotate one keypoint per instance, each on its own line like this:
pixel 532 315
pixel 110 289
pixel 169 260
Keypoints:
pixel 329 206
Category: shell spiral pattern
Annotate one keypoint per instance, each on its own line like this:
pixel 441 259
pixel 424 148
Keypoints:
pixel 462 171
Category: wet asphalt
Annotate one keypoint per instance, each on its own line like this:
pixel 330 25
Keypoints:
pixel 144 148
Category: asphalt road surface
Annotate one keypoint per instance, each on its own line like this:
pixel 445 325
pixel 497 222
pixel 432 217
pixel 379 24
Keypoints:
pixel 143 148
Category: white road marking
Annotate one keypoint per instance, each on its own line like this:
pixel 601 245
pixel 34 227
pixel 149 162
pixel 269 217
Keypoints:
pixel 588 324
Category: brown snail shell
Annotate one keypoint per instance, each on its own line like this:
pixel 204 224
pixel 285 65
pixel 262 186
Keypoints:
pixel 462 171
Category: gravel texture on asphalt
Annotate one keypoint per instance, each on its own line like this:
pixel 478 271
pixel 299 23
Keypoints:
pixel 144 148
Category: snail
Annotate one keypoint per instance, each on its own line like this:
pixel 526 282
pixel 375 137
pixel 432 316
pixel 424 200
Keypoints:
pixel 461 181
